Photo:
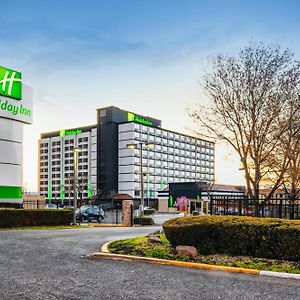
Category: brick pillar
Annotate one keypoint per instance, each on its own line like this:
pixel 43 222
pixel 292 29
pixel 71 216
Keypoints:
pixel 127 211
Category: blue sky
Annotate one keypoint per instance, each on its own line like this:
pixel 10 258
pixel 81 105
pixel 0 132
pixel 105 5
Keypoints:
pixel 144 56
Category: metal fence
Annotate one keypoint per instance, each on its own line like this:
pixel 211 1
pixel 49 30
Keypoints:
pixel 276 207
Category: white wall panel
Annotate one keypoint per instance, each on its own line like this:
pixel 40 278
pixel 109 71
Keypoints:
pixel 126 135
pixel 126 186
pixel 11 152
pixel 126 177
pixel 126 169
pixel 93 155
pixel 126 161
pixel 126 152
pixel 11 130
pixel 10 175
pixel 126 127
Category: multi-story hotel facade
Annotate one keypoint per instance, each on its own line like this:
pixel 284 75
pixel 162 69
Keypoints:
pixel 107 164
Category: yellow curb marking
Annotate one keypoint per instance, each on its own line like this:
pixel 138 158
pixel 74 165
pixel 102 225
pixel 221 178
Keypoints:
pixel 173 263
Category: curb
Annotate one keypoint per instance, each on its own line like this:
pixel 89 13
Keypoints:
pixel 112 256
pixel 106 255
pixel 280 274
pixel 105 225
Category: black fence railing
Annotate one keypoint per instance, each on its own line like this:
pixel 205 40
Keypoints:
pixel 276 207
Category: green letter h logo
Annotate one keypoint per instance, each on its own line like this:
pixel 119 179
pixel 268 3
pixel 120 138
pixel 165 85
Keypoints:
pixel 10 83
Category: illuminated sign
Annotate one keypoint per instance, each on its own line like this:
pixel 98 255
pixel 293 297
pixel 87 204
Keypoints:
pixel 70 132
pixel 20 110
pixel 134 118
pixel 10 83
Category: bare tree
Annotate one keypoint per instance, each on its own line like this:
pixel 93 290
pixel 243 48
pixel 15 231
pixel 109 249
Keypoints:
pixel 250 109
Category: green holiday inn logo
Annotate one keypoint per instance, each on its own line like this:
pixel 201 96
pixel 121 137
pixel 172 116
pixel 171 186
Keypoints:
pixel 131 117
pixel 10 83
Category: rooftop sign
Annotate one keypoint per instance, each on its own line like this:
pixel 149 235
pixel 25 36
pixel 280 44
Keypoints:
pixel 131 117
pixel 70 132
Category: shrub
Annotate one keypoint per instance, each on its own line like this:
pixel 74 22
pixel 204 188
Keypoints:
pixel 34 217
pixel 269 238
pixel 143 220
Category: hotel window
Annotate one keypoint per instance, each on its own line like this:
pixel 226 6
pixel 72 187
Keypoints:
pixel 151 138
pixel 158 132
pixel 151 162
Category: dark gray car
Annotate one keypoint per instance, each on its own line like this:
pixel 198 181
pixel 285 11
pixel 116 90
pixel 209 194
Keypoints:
pixel 90 213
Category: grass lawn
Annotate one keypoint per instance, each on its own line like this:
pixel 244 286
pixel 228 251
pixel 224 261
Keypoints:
pixel 44 227
pixel 140 246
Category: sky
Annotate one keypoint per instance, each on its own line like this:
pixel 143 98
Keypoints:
pixel 144 56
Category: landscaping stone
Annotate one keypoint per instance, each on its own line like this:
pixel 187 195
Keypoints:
pixel 154 239
pixel 187 250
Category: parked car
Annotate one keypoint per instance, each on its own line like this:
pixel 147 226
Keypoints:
pixel 50 206
pixel 69 207
pixel 89 213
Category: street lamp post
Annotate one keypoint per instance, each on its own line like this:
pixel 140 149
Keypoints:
pixel 140 146
pixel 75 157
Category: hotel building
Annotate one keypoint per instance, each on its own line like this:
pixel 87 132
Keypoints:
pixel 107 164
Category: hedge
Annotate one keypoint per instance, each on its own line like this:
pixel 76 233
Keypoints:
pixel 143 220
pixel 34 217
pixel 266 238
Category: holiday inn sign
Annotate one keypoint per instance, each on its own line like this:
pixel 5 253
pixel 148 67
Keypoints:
pixel 10 83
pixel 15 98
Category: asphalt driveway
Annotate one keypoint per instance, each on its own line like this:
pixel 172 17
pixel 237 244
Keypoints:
pixel 40 264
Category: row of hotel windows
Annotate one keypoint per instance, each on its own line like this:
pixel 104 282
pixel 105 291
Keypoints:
pixel 66 142
pixel 58 156
pixel 169 145
pixel 190 174
pixel 66 168
pixel 56 176
pixel 56 194
pixel 178 164
pixel 170 142
pixel 158 185
pixel 171 135
pixel 67 149
pixel 68 181
pixel 57 162
pixel 164 150
pixel 169 159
